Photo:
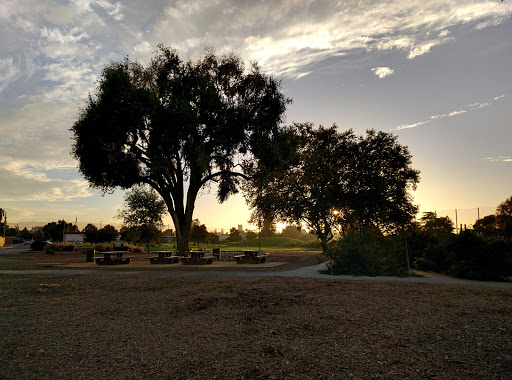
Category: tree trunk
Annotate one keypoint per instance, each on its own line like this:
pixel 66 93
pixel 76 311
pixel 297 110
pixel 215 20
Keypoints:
pixel 324 244
pixel 183 239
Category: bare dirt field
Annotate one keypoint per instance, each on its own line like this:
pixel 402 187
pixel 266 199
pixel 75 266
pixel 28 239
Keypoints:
pixel 183 325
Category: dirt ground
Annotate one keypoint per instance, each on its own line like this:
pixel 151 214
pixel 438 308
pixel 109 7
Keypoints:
pixel 182 325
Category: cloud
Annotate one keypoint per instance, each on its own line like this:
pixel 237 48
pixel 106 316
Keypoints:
pixel 468 108
pixel 9 72
pixel 499 159
pixel 51 57
pixel 288 36
pixel 22 183
pixel 383 72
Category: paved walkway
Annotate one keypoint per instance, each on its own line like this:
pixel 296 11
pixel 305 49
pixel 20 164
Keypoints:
pixel 304 272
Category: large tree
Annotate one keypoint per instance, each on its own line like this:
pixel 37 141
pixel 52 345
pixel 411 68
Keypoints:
pixel 339 180
pixel 178 126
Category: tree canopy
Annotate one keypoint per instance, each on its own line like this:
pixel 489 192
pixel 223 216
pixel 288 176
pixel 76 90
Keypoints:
pixel 504 217
pixel 178 126
pixel 339 180
pixel 143 211
pixel 55 230
pixel 439 227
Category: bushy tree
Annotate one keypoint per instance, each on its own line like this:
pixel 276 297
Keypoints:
pixel 107 234
pixel 199 232
pixel 250 235
pixel 234 235
pixel 487 227
pixel 337 180
pixel 55 230
pixel 26 234
pixel 504 217
pixel 143 211
pixel 91 233
pixel 439 227
pixel 178 126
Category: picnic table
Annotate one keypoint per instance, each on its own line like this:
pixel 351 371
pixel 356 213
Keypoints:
pixel 165 257
pixel 250 257
pixel 113 258
pixel 197 258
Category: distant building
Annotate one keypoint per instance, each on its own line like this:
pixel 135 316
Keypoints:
pixel 73 237
pixel 169 236
pixel 242 232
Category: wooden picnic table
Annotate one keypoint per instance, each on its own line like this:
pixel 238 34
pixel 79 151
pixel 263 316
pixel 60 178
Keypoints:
pixel 165 257
pixel 250 257
pixel 113 258
pixel 197 258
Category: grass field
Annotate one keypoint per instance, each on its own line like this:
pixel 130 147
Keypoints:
pixel 266 244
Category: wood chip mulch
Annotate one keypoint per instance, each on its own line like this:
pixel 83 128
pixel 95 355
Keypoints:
pixel 183 325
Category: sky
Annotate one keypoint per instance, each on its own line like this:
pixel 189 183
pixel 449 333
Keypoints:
pixel 435 73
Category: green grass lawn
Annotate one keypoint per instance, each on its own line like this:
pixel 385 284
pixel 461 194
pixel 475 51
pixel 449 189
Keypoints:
pixel 266 244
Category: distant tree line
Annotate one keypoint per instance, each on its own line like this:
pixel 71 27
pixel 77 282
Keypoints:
pixel 54 231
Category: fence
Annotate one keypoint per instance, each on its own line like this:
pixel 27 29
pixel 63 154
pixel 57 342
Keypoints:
pixel 465 217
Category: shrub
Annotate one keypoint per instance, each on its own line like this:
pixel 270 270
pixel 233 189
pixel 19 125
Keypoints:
pixel 60 247
pixel 103 247
pixel 135 248
pixel 367 254
pixel 479 259
pixel 38 245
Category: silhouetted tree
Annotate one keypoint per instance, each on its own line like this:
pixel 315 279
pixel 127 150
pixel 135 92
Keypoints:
pixel 199 233
pixel 26 234
pixel 504 217
pixel 178 126
pixel 234 235
pixel 338 179
pixel 55 230
pixel 487 227
pixel 91 233
pixel 143 210
pixel 107 234
pixel 439 227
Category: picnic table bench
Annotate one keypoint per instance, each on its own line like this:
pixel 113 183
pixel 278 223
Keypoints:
pixel 250 257
pixel 197 258
pixel 113 258
pixel 165 257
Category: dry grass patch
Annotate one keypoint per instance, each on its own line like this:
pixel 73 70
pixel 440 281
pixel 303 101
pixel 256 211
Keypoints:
pixel 187 326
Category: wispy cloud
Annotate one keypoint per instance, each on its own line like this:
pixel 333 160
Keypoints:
pixel 29 184
pixel 499 159
pixel 9 72
pixel 286 37
pixel 383 72
pixel 468 108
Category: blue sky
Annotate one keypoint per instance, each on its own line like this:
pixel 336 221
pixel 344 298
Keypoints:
pixel 436 73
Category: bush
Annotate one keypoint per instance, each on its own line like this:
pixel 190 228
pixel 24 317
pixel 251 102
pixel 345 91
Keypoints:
pixel 60 247
pixel 38 245
pixel 135 248
pixel 367 255
pixel 103 247
pixel 475 258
